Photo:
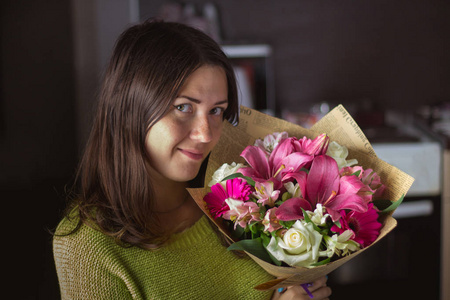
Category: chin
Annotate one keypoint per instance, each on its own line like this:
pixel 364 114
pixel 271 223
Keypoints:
pixel 186 176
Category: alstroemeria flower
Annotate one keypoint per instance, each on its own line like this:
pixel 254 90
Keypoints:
pixel 364 227
pixel 265 193
pixel 340 153
pixel 324 185
pixel 298 247
pixel 236 188
pixel 242 213
pixel 293 189
pixel 271 141
pixel 369 177
pixel 224 171
pixel 318 217
pixel 281 161
pixel 270 222
pixel 340 244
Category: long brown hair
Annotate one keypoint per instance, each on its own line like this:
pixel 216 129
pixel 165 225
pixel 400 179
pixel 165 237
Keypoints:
pixel 150 63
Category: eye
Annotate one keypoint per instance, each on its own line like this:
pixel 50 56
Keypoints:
pixel 217 111
pixel 185 108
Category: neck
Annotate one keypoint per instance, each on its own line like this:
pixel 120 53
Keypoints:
pixel 169 196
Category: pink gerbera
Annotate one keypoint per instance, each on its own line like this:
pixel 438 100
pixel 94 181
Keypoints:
pixel 236 189
pixel 365 226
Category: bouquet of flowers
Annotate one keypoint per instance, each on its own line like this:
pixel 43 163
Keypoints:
pixel 300 199
pixel 298 205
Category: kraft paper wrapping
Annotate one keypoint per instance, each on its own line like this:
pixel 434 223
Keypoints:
pixel 340 127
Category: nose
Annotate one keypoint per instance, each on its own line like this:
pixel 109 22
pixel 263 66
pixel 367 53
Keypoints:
pixel 201 130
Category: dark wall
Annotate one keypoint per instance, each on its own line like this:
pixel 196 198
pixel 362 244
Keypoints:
pixel 394 53
pixel 37 137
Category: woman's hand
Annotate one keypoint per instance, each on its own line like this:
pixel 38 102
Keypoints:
pixel 318 289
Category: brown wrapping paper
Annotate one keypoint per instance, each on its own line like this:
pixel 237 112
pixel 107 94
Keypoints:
pixel 340 127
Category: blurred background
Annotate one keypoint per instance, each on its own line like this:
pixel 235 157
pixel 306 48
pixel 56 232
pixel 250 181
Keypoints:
pixel 386 61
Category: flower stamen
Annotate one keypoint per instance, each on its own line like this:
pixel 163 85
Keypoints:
pixel 282 167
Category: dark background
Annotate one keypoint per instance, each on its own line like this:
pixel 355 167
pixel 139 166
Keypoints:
pixel 394 53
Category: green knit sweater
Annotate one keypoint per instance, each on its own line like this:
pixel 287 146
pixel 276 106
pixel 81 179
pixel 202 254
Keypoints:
pixel 195 265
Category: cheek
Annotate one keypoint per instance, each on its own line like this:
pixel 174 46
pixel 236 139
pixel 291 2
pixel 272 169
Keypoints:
pixel 157 139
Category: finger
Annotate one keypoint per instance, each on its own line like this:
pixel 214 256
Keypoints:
pixel 297 292
pixel 322 293
pixel 318 283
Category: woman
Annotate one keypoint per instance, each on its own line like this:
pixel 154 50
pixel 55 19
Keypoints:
pixel 133 232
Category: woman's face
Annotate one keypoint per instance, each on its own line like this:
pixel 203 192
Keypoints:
pixel 181 140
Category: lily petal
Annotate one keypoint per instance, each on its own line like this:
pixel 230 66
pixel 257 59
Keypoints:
pixel 353 202
pixel 291 209
pixel 300 177
pixel 323 179
pixel 318 146
pixel 292 163
pixel 283 150
pixel 257 160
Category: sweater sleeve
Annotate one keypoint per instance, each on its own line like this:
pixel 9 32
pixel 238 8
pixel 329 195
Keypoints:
pixel 85 269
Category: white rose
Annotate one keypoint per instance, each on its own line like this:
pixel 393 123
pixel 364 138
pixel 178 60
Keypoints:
pixel 224 171
pixel 340 153
pixel 298 247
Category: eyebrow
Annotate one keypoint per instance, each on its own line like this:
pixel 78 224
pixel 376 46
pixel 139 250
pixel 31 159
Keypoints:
pixel 199 101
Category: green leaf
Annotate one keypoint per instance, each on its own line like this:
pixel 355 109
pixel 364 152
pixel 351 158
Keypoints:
pixel 322 262
pixel 239 175
pixel 308 220
pixel 287 224
pixel 238 232
pixel 253 246
pixel 285 196
pixel 256 228
pixel 266 240
pixel 357 173
pixel 338 224
pixel 386 205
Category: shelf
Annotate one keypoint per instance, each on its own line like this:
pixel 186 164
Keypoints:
pixel 246 51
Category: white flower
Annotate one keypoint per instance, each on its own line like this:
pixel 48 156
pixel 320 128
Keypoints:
pixel 340 153
pixel 224 171
pixel 340 244
pixel 271 141
pixel 292 189
pixel 318 217
pixel 299 245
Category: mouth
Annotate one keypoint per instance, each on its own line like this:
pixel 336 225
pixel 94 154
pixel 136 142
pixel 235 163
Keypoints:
pixel 192 154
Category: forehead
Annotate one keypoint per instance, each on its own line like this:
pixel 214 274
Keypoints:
pixel 208 81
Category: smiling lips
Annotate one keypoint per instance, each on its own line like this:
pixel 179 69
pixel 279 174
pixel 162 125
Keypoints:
pixel 193 154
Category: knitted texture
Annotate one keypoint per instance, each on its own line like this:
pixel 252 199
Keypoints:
pixel 195 265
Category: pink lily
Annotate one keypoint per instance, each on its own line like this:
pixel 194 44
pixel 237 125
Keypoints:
pixel 325 186
pixel 318 146
pixel 281 161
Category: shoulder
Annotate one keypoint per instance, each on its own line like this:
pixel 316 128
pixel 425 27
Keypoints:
pixel 80 245
pixel 87 262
